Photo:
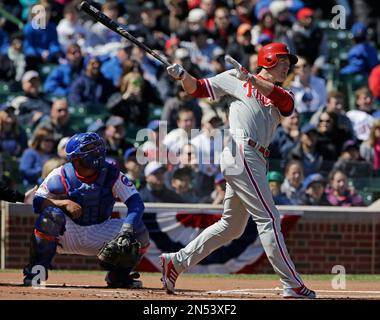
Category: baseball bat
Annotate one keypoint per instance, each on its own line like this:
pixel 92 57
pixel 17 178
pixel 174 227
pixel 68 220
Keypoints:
pixel 114 26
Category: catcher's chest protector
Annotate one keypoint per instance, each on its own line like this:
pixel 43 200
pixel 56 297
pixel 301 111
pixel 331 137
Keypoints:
pixel 96 198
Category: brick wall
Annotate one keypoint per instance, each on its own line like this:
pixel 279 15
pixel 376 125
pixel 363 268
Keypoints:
pixel 317 243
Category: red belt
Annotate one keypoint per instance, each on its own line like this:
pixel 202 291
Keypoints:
pixel 264 151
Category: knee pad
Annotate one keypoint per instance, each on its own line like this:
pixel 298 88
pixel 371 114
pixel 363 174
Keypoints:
pixel 51 222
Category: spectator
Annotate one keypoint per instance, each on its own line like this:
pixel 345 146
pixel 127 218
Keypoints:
pixel 99 34
pixel 41 44
pixel 314 187
pixel 306 150
pixel 50 165
pixel 17 56
pixel 330 137
pixel 90 87
pixel 285 138
pixel 181 184
pixel 309 91
pixel 165 86
pixel 155 189
pixel 112 69
pixel 339 193
pixel 275 180
pixel 176 138
pixel 69 29
pixel 362 118
pixel 59 80
pixel 200 48
pixel 58 121
pixel 362 57
pixel 13 139
pixel 265 26
pixel 351 163
pixel 308 38
pixel 217 196
pixel 114 139
pixel 188 158
pixel 370 149
pixel 32 160
pixel 134 170
pixel 152 148
pixel 245 11
pixel 180 100
pixel 133 100
pixel 218 63
pixel 292 185
pixel 33 105
pixel 209 143
pixel 224 30
pixel 335 103
pixel 242 48
pixel 178 11
pixel 196 19
pixel 61 148
pixel 8 63
pixel 209 7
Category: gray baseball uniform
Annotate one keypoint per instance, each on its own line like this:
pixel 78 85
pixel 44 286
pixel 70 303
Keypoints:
pixel 251 116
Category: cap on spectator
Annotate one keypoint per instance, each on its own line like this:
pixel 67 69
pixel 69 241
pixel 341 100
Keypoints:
pixel 359 29
pixel 277 7
pixel 275 176
pixel 243 29
pixel 115 121
pixel 304 13
pixel 154 125
pixel 96 126
pixel 181 53
pixel 130 154
pixel 62 143
pixel 196 15
pixel 208 116
pixel 29 75
pixel 349 144
pixel 217 53
pixel 219 178
pixel 7 107
pixel 171 42
pixel 152 168
pixel 308 127
pixel 312 178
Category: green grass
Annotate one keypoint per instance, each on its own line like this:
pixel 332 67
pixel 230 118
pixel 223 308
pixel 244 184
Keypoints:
pixel 321 277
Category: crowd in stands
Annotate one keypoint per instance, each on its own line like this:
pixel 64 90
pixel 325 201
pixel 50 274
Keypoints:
pixel 74 74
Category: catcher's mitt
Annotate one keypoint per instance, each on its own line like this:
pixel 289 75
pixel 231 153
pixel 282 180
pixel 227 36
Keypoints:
pixel 120 252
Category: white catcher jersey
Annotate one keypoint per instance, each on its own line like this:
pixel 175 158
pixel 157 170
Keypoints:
pixel 251 114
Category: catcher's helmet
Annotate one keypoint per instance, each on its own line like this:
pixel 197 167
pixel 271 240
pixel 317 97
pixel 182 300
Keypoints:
pixel 89 147
pixel 267 57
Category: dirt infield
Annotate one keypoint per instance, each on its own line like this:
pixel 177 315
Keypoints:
pixel 91 286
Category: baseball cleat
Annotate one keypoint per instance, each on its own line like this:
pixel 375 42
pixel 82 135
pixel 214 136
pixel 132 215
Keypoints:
pixel 169 273
pixel 300 292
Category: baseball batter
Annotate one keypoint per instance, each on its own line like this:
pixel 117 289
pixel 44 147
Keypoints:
pixel 75 203
pixel 256 106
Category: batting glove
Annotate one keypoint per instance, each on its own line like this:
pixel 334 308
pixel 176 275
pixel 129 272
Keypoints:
pixel 240 72
pixel 176 71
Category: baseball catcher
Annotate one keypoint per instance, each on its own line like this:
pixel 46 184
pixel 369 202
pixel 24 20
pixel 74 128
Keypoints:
pixel 75 203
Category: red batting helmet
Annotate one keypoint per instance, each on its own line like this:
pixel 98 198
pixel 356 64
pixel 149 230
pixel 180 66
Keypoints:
pixel 267 57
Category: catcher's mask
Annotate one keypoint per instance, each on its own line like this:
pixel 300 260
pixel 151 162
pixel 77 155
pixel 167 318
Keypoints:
pixel 89 147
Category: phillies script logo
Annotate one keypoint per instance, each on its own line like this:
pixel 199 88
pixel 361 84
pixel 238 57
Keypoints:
pixel 253 92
